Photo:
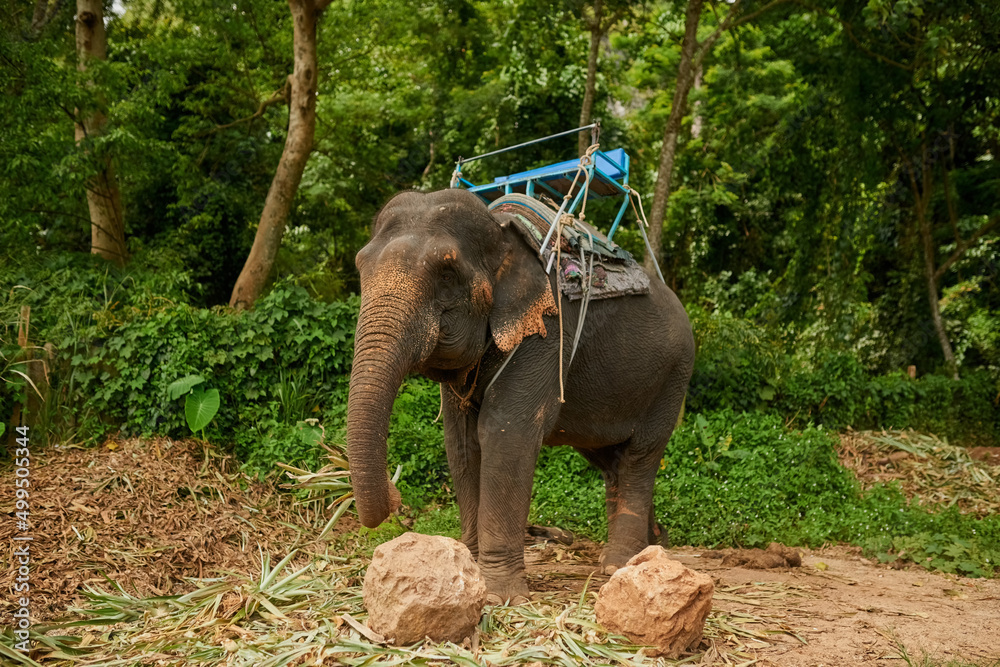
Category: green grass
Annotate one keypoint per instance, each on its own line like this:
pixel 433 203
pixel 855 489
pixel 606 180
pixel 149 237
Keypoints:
pixel 743 479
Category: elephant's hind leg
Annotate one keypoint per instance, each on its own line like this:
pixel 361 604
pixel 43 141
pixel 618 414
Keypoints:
pixel 629 471
pixel 628 480
pixel 624 504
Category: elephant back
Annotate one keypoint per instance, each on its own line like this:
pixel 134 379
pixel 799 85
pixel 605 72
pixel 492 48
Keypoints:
pixel 584 251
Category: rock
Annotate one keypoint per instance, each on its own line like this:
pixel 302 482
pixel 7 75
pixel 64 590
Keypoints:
pixel 656 601
pixel 421 586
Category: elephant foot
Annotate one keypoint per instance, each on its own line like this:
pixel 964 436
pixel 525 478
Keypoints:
pixel 494 600
pixel 506 591
pixel 615 558
pixel 658 535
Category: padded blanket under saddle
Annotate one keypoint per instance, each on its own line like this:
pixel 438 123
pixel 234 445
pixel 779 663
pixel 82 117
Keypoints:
pixel 615 272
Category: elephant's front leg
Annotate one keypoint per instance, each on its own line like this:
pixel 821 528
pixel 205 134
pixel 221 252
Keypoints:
pixel 510 446
pixel 461 443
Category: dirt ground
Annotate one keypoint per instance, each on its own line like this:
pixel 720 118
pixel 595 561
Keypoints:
pixel 153 514
pixel 846 609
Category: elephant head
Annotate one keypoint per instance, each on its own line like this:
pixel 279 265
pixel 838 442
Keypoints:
pixel 441 279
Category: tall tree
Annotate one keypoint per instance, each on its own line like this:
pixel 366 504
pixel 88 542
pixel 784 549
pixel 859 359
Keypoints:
pixel 595 24
pixel 598 22
pixel 107 223
pixel 301 92
pixel 692 58
pixel 946 62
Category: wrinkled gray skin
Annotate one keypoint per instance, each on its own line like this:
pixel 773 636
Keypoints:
pixel 444 282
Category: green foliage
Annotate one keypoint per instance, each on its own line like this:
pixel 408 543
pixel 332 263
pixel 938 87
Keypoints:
pixel 945 553
pixel 744 366
pixel 738 364
pixel 199 408
pixel 439 521
pixel 731 479
pixel 183 386
pixel 568 492
pixel 416 442
pixel 124 354
pixel 200 404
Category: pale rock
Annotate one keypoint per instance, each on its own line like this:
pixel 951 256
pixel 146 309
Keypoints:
pixel 656 601
pixel 421 586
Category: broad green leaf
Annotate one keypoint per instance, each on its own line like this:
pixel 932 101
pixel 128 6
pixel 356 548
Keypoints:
pixel 183 386
pixel 311 435
pixel 200 407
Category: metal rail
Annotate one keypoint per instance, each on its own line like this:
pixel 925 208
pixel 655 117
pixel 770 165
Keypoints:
pixel 595 128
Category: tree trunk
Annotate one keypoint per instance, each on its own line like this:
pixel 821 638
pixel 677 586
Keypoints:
pixel 921 185
pixel 932 292
pixel 298 146
pixel 596 35
pixel 685 77
pixel 107 224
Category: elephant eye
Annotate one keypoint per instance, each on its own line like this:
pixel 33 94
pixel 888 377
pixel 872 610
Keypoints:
pixel 447 277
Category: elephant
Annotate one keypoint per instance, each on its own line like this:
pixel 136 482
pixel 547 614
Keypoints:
pixel 448 290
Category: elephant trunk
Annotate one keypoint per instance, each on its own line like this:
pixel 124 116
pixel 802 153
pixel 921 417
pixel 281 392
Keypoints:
pixel 388 343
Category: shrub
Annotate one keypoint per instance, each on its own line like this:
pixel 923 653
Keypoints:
pixel 737 364
pixel 743 367
pixel 124 374
pixel 417 443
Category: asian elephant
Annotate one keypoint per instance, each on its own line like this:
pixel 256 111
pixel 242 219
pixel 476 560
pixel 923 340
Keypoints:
pixel 448 290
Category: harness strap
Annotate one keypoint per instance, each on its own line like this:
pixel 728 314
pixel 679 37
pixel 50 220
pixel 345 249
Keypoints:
pixel 502 366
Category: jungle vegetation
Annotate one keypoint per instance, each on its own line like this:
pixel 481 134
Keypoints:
pixel 184 185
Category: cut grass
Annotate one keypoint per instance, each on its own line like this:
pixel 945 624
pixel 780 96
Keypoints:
pixel 927 468
pixel 311 614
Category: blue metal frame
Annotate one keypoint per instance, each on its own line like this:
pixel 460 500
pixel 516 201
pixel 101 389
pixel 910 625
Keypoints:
pixel 614 176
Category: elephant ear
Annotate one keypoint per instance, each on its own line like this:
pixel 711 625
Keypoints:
pixel 522 294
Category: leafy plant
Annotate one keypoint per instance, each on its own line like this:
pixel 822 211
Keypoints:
pixel 200 405
pixel 945 553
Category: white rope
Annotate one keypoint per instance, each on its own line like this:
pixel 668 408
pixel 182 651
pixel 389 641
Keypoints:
pixel 561 221
pixel 642 229
pixel 500 370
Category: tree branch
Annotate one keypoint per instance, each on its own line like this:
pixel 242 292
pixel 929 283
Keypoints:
pixel 42 16
pixel 949 200
pixel 430 161
pixel 963 246
pixel 731 22
pixel 49 212
pixel 751 16
pixel 280 95
pixel 706 45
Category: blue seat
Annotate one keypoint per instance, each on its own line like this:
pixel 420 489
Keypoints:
pixel 610 177
pixel 611 164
